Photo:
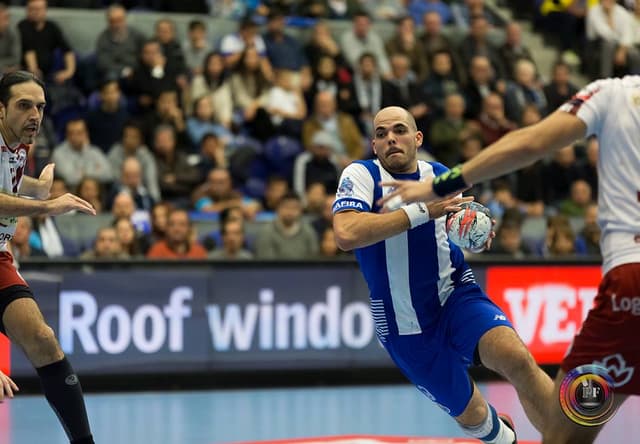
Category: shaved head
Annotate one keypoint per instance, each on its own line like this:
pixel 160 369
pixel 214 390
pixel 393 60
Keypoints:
pixel 393 111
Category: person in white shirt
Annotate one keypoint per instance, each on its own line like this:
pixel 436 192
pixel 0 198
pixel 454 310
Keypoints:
pixel 362 39
pixel 613 27
pixel 610 110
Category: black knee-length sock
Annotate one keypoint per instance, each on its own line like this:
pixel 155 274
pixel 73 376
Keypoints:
pixel 63 391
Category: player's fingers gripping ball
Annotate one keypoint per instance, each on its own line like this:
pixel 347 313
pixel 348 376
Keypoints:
pixel 470 228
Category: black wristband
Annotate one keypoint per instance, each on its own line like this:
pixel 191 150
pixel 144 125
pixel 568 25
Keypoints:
pixel 449 182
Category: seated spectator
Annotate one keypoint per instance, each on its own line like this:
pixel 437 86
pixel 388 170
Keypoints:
pixel 341 126
pixel 249 85
pixel 591 232
pixel 167 112
pixel 132 145
pixel 321 43
pixel 10 48
pixel 314 198
pixel 159 215
pixel 445 136
pixel 418 8
pixel 325 219
pixel 407 43
pixel 285 51
pixel 288 236
pixel 464 12
pixel 106 121
pixel 196 47
pixel 19 244
pixel 513 50
pixel 579 200
pixel 492 121
pixel 284 109
pixel 178 243
pixel 128 237
pixel 329 77
pixel 440 83
pixel 330 9
pixel 124 206
pixel 213 82
pixel 90 190
pixel 232 247
pixel 131 182
pixel 277 187
pixel 559 89
pixel 165 34
pixel 611 27
pixel 561 241
pixel 434 40
pixel 367 83
pixel 233 46
pixel 45 236
pixel 477 43
pixel 118 46
pixel 508 240
pixel 384 9
pixel 76 157
pixel 560 173
pixel 361 39
pixel 106 246
pixel 41 39
pixel 401 89
pixel 482 82
pixel 176 175
pixel 317 164
pixel 203 121
pixel 217 193
pixel 524 91
pixel 152 76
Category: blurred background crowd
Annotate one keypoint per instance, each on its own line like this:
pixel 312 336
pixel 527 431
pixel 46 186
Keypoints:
pixel 229 145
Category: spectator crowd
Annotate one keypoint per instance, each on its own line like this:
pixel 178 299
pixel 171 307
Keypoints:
pixel 254 127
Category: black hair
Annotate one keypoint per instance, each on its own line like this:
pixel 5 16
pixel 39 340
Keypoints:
pixel 15 78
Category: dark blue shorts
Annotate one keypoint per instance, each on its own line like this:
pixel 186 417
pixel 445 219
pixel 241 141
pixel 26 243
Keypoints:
pixel 437 360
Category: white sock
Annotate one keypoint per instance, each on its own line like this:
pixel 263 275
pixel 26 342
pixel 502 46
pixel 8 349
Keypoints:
pixel 492 430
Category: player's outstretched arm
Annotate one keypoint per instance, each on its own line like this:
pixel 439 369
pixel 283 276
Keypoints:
pixel 355 229
pixel 19 206
pixel 40 187
pixel 514 151
pixel 7 387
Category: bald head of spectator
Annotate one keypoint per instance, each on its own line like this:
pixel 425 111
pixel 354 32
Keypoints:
pixel 123 205
pixel 525 72
pixel 325 105
pixel 131 173
pixel 116 19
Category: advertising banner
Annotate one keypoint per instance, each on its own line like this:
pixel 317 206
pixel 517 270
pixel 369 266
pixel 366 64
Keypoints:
pixel 139 320
pixel 546 304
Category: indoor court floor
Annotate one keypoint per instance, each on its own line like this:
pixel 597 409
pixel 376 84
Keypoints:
pixel 232 416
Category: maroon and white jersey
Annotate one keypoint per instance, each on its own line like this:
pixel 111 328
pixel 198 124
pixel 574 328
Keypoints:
pixel 611 110
pixel 12 165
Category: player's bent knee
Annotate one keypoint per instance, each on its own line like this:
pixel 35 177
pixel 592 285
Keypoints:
pixel 42 343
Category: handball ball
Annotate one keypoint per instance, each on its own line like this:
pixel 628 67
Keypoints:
pixel 470 227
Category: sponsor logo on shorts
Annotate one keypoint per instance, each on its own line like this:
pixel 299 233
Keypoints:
pixel 617 368
pixel 630 304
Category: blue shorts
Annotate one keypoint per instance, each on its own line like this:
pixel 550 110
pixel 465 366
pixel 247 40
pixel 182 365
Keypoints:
pixel 437 359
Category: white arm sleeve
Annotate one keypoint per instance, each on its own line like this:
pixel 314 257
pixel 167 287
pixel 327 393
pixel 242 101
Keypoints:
pixel 355 191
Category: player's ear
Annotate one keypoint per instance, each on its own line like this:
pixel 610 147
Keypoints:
pixel 419 138
pixel 373 147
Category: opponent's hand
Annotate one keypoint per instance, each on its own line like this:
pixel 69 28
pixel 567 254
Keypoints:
pixel 7 387
pixel 45 181
pixel 445 206
pixel 69 202
pixel 408 191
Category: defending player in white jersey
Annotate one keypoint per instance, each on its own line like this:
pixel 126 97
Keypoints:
pixel 609 109
pixel 22 102
pixel 430 315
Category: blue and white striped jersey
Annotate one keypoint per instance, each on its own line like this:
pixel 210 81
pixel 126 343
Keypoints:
pixel 410 275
